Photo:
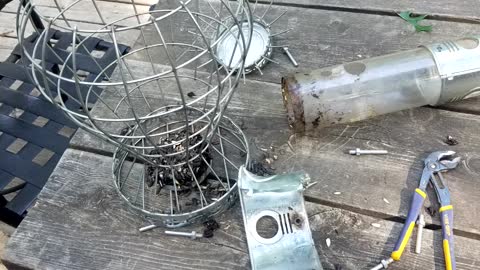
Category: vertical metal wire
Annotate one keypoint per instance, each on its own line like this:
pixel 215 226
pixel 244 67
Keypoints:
pixel 161 129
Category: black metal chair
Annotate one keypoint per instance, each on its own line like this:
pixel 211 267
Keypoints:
pixel 33 132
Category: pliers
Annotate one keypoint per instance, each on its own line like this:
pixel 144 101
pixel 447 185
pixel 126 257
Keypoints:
pixel 435 164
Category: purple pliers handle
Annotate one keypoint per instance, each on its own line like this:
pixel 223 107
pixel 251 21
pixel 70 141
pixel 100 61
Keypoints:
pixel 435 163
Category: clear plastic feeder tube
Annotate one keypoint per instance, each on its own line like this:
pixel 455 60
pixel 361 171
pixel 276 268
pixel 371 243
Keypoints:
pixel 428 75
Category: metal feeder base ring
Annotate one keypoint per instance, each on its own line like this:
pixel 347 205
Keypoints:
pixel 176 206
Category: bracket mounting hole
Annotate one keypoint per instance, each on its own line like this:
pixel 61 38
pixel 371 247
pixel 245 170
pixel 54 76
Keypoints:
pixel 267 227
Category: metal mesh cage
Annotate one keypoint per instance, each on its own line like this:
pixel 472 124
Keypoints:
pixel 163 107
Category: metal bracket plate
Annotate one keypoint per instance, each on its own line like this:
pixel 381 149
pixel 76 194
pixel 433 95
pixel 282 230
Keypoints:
pixel 280 198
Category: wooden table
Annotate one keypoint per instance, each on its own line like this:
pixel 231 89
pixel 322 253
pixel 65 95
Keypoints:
pixel 359 203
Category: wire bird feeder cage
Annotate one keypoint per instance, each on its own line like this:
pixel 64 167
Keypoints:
pixel 176 154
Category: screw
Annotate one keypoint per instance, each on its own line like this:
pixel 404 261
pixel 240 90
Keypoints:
pixel 193 235
pixel 383 265
pixel 308 185
pixel 421 225
pixel 290 56
pixel 147 228
pixel 359 152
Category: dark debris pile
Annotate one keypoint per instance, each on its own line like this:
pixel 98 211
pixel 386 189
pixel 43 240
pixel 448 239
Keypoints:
pixel 450 140
pixel 210 226
pixel 183 175
pixel 260 168
pixel 264 164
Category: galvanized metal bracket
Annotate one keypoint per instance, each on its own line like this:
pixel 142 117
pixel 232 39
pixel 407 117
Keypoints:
pixel 278 197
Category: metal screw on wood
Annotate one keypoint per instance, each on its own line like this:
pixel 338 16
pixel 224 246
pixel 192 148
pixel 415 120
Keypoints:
pixel 193 235
pixel 290 56
pixel 383 265
pixel 147 228
pixel 359 152
pixel 421 225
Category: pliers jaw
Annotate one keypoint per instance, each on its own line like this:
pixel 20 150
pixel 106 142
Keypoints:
pixel 450 164
pixel 435 164
pixel 441 161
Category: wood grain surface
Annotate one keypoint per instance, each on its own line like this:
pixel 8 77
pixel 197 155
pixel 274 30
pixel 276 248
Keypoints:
pixel 442 9
pixel 79 222
pixel 320 38
pixel 324 37
pixel 84 11
pixel 6 47
pixel 409 136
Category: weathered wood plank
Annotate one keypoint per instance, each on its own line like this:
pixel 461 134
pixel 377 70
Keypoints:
pixel 83 16
pixel 468 9
pixel 7 25
pixel 7 29
pixel 137 2
pixel 79 222
pixel 321 38
pixel 470 105
pixel 6 46
pixel 363 181
pixel 84 11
